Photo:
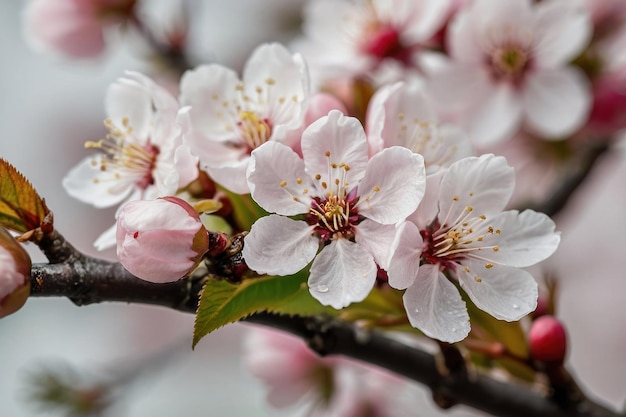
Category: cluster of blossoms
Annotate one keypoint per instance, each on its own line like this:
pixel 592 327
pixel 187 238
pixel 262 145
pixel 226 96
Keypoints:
pixel 400 196
pixel 402 190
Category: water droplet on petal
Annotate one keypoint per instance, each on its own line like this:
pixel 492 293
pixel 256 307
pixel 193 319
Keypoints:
pixel 417 310
pixel 515 306
pixel 322 288
pixel 453 329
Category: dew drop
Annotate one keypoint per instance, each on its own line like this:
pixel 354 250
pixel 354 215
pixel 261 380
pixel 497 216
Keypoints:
pixel 515 306
pixel 417 310
pixel 322 288
pixel 453 329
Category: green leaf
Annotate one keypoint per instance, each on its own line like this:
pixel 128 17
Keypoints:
pixel 246 211
pixel 21 208
pixel 222 303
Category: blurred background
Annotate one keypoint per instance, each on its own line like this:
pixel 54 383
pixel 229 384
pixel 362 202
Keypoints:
pixel 50 107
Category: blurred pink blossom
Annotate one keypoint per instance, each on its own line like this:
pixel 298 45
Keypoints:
pixel 160 240
pixel 329 386
pixel 347 39
pixel 73 28
pixel 508 68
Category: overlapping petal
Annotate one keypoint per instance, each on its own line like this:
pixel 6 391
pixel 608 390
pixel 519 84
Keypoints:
pixel 341 138
pixel 434 306
pixel 279 245
pixel 405 262
pixel 525 239
pixel 342 273
pixel 279 187
pixel 504 292
pixel 556 101
pixel 483 183
pixel 393 186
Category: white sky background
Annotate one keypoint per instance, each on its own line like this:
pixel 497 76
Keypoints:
pixel 49 107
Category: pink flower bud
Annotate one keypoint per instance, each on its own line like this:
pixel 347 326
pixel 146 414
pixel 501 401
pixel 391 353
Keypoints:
pixel 160 240
pixel 548 341
pixel 74 28
pixel 14 274
pixel 320 104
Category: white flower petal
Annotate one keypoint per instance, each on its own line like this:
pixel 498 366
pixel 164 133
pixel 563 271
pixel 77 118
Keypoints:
pixel 405 262
pixel 344 139
pixel 429 206
pixel 186 164
pixel 278 181
pixel 87 183
pixel 401 114
pixel 283 80
pixel 496 117
pixel 393 186
pixel 483 183
pixel 210 91
pixel 278 245
pixel 231 176
pixel 505 293
pixel 426 17
pixel 434 306
pixel 455 87
pixel 377 239
pixel 463 38
pixel 128 99
pixel 525 238
pixel 107 239
pixel 342 273
pixel 565 29
pixel 556 102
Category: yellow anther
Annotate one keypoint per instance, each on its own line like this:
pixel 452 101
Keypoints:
pixel 283 183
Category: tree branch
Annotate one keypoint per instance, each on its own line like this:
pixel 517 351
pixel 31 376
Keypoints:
pixel 86 280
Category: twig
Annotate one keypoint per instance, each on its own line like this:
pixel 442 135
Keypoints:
pixel 88 280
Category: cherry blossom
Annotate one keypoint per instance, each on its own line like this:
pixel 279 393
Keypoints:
pixel 348 39
pixel 73 28
pixel 508 68
pixel 324 386
pixel 160 240
pixel 402 114
pixel 229 117
pixel 470 240
pixel 349 206
pixel 142 157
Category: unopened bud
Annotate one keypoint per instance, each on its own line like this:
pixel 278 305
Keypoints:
pixel 160 240
pixel 548 340
pixel 14 274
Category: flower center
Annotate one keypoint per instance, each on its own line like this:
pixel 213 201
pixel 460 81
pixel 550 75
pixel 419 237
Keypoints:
pixel 124 159
pixel 383 41
pixel 466 237
pixel 334 217
pixel 335 214
pixel 509 62
pixel 254 130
